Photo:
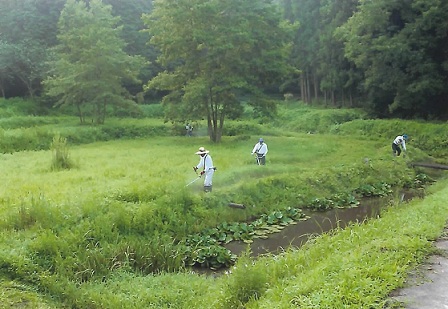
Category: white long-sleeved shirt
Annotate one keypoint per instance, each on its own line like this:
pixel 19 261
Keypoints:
pixel 205 163
pixel 261 149
pixel 400 140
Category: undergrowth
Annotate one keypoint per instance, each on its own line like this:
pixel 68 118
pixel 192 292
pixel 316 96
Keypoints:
pixel 80 235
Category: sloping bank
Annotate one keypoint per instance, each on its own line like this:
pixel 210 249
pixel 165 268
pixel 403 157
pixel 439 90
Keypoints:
pixel 356 267
pixel 352 268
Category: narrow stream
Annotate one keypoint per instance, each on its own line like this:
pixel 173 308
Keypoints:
pixel 319 222
pixel 296 235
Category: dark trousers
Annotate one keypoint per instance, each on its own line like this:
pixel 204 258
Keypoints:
pixel 261 159
pixel 396 149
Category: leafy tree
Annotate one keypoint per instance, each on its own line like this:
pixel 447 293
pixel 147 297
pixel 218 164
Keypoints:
pixel 90 65
pixel 30 64
pixel 6 65
pixel 213 51
pixel 339 77
pixel 130 12
pixel 402 48
pixel 29 33
pixel 306 44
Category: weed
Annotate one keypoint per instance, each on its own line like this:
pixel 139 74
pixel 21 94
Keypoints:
pixel 61 159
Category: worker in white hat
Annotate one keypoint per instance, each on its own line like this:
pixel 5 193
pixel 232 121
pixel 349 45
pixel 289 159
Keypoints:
pixel 206 168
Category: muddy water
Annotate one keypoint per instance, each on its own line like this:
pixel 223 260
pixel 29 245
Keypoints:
pixel 319 222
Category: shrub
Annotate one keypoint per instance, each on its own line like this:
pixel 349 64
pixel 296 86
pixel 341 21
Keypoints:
pixel 153 110
pixel 61 157
pixel 19 107
pixel 248 282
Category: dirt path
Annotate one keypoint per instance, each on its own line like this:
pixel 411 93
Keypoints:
pixel 427 287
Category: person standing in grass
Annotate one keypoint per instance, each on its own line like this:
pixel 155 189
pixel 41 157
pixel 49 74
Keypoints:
pixel 206 166
pixel 189 129
pixel 398 143
pixel 260 149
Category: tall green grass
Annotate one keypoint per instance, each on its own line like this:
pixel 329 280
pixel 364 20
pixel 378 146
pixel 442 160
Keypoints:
pixel 356 267
pixel 89 236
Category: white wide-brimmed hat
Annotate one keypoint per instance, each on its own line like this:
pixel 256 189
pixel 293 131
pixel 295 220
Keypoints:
pixel 201 151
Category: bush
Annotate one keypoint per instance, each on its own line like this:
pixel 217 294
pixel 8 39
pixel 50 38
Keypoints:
pixel 24 139
pixel 19 107
pixel 61 156
pixel 432 138
pixel 153 110
pixel 248 282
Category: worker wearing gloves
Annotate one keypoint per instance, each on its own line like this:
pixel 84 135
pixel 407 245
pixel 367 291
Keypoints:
pixel 260 149
pixel 206 168
pixel 400 140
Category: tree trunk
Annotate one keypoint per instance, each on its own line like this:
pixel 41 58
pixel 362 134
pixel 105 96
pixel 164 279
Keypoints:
pixel 103 111
pixel 221 125
pixel 302 88
pixel 29 86
pixel 316 88
pixel 211 116
pixel 308 88
pixel 3 91
pixel 80 114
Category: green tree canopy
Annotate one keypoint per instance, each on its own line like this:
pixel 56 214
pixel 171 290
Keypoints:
pixel 214 50
pixel 90 66
pixel 7 52
pixel 28 27
pixel 402 48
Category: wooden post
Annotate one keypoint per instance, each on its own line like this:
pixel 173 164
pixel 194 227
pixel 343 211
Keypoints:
pixel 235 205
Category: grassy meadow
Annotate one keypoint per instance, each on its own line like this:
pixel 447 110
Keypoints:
pixel 120 227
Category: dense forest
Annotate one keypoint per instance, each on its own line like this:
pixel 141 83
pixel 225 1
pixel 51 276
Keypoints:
pixel 389 57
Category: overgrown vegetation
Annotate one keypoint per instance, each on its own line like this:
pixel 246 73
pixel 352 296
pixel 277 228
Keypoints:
pixel 61 155
pixel 88 236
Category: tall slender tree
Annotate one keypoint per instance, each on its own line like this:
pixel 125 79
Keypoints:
pixel 339 78
pixel 7 52
pixel 212 51
pixel 306 45
pixel 90 65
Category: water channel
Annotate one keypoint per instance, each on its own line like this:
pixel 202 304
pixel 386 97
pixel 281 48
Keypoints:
pixel 296 235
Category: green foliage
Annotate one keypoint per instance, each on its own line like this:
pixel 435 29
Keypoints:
pixel 18 107
pixel 35 138
pixel 90 65
pixel 27 122
pixel 14 293
pixel 210 256
pixel 301 118
pixel 241 129
pixel 246 283
pixel 379 189
pixel 61 157
pixel 407 78
pixel 36 133
pixel 126 211
pixel 201 83
pixel 153 110
pixel 203 249
pixel 429 137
